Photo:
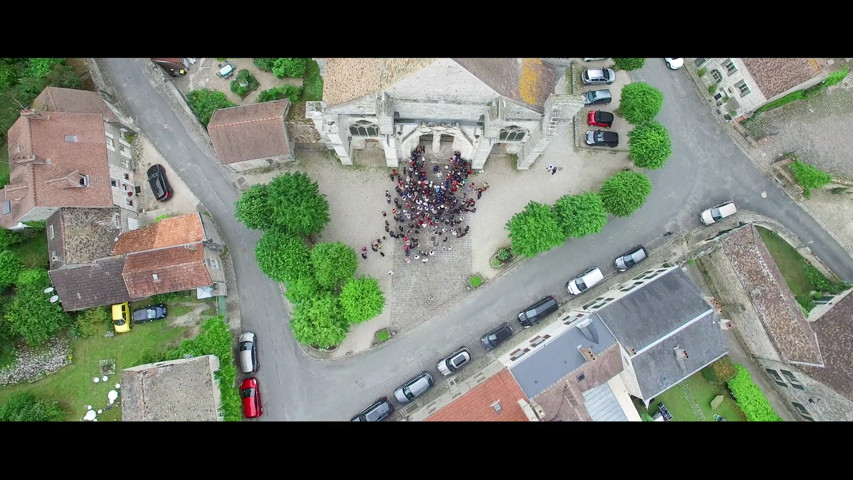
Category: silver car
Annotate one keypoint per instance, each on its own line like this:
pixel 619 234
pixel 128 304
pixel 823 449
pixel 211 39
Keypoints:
pixel 454 362
pixel 630 258
pixel 248 352
pixel 410 390
pixel 598 76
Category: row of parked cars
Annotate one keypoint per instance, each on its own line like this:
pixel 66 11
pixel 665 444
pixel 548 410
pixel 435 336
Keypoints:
pixel 599 118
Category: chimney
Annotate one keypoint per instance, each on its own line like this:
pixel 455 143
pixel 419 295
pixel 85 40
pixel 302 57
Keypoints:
pixel 29 160
pixel 30 113
pixel 680 353
pixel 586 352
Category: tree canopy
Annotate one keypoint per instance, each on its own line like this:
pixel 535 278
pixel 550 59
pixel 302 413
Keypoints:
pixel 253 208
pixel 361 299
pixel 649 145
pixel 301 289
pixel 334 263
pixel 10 267
pixel 26 407
pixel 297 204
pixel 289 67
pixel 30 313
pixel 318 322
pixel 534 230
pixel 206 101
pixel 629 63
pixel 283 256
pixel 580 215
pixel 625 192
pixel 640 102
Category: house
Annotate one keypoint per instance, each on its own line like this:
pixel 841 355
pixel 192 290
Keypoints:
pixel 172 255
pixel 806 360
pixel 173 66
pixel 476 105
pixel 742 85
pixel 76 158
pixel 497 399
pixel 641 338
pixel 183 390
pixel 252 136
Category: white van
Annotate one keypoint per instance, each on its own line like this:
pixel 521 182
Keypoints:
pixel 582 282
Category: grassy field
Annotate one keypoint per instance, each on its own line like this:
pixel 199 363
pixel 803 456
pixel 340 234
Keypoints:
pixel 73 386
pixel 690 401
pixel 789 262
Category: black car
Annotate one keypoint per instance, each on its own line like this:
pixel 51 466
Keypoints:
pixel 158 182
pixel 597 97
pixel 380 410
pixel 600 138
pixel 496 336
pixel 536 312
pixel 149 313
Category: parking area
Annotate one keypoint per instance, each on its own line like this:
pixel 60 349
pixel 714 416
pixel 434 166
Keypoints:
pixel 620 126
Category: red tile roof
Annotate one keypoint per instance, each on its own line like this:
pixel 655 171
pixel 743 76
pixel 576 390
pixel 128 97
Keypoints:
pixel 176 269
pixel 169 232
pixel 776 75
pixel 477 404
pixel 250 132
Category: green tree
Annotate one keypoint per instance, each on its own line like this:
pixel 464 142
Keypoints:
pixel 297 204
pixel 91 321
pixel 264 64
pixel 32 316
pixel 361 299
pixel 629 63
pixel 318 322
pixel 244 77
pixel 649 145
pixel 26 407
pixel 253 208
pixel 809 176
pixel 290 92
pixel 749 398
pixel 333 263
pixel 302 289
pixel 625 192
pixel 534 230
pixel 640 102
pixel 289 67
pixel 580 215
pixel 283 256
pixel 41 67
pixel 10 267
pixel 206 101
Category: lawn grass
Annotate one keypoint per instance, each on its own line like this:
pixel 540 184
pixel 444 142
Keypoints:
pixel 312 83
pixel 696 392
pixel 72 386
pixel 789 262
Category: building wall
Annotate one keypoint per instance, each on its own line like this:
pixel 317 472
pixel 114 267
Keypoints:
pixel 121 165
pixel 807 398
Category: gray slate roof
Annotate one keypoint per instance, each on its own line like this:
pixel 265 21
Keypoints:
pixel 92 285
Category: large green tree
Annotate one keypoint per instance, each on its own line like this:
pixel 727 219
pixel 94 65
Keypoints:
pixel 283 256
pixel 580 215
pixel 629 63
pixel 32 316
pixel 289 67
pixel 625 192
pixel 297 204
pixel 649 145
pixel 26 407
pixel 10 268
pixel 253 208
pixel 9 238
pixel 302 289
pixel 534 230
pixel 361 299
pixel 319 322
pixel 334 263
pixel 640 102
pixel 206 101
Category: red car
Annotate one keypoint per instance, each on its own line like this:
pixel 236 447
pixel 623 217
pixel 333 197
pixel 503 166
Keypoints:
pixel 251 398
pixel 600 118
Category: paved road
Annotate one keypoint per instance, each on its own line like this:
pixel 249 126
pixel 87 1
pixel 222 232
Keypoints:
pixel 706 167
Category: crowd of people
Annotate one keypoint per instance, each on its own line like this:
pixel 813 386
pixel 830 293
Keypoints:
pixel 430 203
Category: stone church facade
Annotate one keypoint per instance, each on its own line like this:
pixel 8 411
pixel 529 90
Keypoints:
pixel 477 104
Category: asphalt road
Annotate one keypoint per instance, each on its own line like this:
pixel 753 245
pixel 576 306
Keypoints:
pixel 706 167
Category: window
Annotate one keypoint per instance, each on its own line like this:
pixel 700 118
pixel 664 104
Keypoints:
pixel 110 143
pixel 776 378
pixel 50 231
pixel 801 409
pixel 512 134
pixel 716 75
pixel 730 67
pixel 113 182
pixel 744 89
pixel 794 382
pixel 364 128
pixel 699 62
pixel 84 180
pixel 581 377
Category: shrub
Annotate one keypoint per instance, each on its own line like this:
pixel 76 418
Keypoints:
pixel 289 67
pixel 625 192
pixel 205 101
pixel 475 281
pixel 161 217
pixel 702 72
pixel 90 322
pixel 646 417
pixel 720 372
pixel 712 88
pixel 806 302
pixel 649 145
pixel 504 254
pixel 640 102
pixel 286 91
pixel 809 176
pixel 9 238
pixel 264 64
pixel 244 77
pixel 820 283
pixel 629 63
pixel 312 82
pixel 382 335
pixel 749 398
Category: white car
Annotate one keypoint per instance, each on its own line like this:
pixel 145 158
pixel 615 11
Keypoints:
pixel 454 362
pixel 248 355
pixel 674 63
pixel 717 213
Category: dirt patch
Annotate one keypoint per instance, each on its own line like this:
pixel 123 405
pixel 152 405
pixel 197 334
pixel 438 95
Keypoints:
pixel 200 312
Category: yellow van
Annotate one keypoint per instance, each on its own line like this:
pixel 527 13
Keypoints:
pixel 121 317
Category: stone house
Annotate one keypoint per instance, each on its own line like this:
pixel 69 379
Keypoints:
pixel 477 105
pixel 250 137
pixel 183 390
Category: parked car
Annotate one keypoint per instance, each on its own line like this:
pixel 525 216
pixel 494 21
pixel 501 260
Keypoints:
pixel 410 390
pixel 159 183
pixel 582 282
pixel 600 138
pixel 149 313
pixel 597 97
pixel 598 76
pixel 599 118
pixel 251 396
pixel 248 352
pixel 121 317
pixel 536 312
pixel 674 63
pixel 454 361
pixel 497 336
pixel 594 59
pixel 630 258
pixel 717 213
pixel 376 412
